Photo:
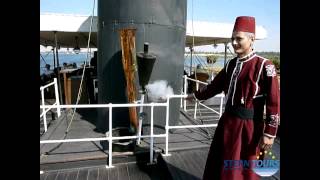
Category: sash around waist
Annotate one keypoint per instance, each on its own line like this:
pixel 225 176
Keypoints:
pixel 241 112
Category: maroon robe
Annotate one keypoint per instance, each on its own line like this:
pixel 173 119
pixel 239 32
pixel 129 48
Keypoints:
pixel 250 82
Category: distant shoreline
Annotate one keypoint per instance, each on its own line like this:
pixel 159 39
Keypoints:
pixel 209 54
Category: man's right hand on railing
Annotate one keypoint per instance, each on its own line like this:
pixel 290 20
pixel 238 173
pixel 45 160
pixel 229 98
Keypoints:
pixel 191 98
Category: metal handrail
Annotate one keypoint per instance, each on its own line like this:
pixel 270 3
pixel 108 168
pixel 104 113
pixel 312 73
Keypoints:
pixel 221 95
pixel 44 110
pixel 109 137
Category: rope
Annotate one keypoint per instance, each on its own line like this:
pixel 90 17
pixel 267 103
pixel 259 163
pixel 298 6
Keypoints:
pixel 80 88
pixel 43 59
pixel 84 68
pixel 230 50
pixel 208 134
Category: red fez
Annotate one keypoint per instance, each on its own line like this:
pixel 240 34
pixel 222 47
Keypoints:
pixel 245 24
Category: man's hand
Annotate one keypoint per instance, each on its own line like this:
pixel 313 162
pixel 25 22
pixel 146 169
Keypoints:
pixel 190 98
pixel 266 142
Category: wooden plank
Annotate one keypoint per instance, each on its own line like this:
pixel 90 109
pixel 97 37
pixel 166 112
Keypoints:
pixel 83 174
pixel 202 157
pixel 51 175
pixel 43 176
pixel 61 175
pixel 187 164
pixel 68 92
pixel 103 173
pixel 65 88
pixel 123 172
pixel 73 175
pixel 199 162
pixel 192 165
pixel 93 174
pixel 135 173
pixel 186 167
pixel 113 173
pixel 177 168
pixel 127 41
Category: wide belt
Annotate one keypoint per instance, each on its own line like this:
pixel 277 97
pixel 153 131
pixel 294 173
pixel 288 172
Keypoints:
pixel 241 112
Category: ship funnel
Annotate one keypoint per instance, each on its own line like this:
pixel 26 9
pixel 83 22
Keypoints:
pixel 145 65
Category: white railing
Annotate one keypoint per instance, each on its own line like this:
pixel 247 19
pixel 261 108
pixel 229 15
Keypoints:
pixel 109 136
pixel 44 110
pixel 198 103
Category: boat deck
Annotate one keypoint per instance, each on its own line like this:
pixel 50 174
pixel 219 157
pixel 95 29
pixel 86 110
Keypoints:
pixel 88 160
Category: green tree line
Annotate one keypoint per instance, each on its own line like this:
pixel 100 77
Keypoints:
pixel 273 56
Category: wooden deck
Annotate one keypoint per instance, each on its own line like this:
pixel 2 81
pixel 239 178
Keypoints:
pixel 128 171
pixel 88 160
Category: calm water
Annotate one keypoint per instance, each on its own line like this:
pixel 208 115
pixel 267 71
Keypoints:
pixel 63 58
pixel 202 60
pixel 81 58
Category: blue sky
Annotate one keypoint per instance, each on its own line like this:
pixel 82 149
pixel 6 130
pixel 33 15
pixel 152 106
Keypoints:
pixel 266 12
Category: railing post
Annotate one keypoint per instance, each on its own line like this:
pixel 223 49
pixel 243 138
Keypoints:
pixel 57 96
pixel 110 136
pixel 185 92
pixel 167 129
pixel 44 111
pixel 140 118
pixel 151 140
pixel 196 104
pixel 181 101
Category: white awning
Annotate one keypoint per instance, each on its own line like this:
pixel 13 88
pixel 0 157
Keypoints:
pixel 207 33
pixel 68 27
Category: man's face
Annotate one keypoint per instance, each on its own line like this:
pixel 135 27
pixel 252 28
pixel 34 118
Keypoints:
pixel 241 43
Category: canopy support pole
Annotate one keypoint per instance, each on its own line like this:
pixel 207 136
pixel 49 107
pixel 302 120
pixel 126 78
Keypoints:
pixel 58 70
pixel 191 50
pixel 225 53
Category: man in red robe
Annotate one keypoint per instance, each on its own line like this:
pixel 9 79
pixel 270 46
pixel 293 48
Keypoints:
pixel 250 83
